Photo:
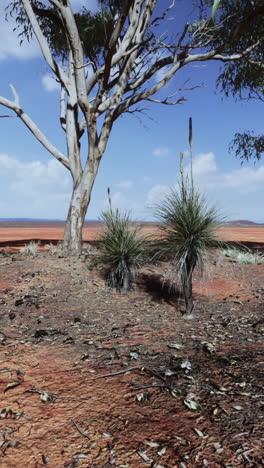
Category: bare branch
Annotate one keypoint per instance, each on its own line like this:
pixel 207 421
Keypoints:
pixel 44 44
pixel 87 64
pixel 1 116
pixel 166 101
pixel 33 127
pixel 75 46
pixel 63 109
pixel 16 98
pixel 113 41
pixel 238 56
pixel 72 129
pixel 129 38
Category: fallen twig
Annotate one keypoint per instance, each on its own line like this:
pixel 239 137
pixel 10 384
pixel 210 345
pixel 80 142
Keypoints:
pixel 54 396
pixel 118 373
pixel 79 430
pixel 59 371
pixel 154 373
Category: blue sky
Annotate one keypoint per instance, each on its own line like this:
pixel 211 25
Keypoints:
pixel 142 158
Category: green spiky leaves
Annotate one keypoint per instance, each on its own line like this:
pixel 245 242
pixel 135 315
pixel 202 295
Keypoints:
pixel 122 249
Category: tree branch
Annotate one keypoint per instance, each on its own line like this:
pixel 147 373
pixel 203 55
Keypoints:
pixel 113 41
pixel 166 101
pixel 15 106
pixel 44 45
pixel 75 45
pixel 62 109
pixel 72 128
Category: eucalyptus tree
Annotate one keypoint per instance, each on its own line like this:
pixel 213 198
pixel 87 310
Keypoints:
pixel 109 62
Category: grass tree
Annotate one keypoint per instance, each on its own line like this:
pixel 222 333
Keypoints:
pixel 122 249
pixel 188 230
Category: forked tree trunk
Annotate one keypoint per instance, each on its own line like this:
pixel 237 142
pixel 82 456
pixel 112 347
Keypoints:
pixel 81 196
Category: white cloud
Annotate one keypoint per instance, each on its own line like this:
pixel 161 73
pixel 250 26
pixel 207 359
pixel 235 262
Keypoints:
pixel 160 151
pixel 125 184
pixel 238 193
pixel 156 194
pixel 49 83
pixel 120 201
pixel 203 165
pixel 34 189
pixel 244 179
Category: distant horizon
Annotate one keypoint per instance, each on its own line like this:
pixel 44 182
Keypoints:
pixel 237 221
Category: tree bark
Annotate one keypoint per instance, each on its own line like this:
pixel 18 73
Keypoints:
pixel 187 289
pixel 80 199
pixel 72 243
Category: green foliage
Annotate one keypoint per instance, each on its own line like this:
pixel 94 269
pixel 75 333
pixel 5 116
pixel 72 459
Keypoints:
pixel 245 78
pixel 94 28
pixel 122 250
pixel 247 146
pixel 242 21
pixel 187 231
pixel 188 227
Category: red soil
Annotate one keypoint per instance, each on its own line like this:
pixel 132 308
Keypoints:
pixel 53 230
pixel 66 338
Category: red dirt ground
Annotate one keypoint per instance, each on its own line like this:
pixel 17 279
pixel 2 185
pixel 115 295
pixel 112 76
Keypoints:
pixel 93 379
pixel 25 230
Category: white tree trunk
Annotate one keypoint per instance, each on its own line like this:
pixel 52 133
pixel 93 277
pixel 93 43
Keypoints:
pixel 72 243
pixel 80 199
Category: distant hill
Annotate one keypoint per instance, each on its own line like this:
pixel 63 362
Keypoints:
pixel 242 221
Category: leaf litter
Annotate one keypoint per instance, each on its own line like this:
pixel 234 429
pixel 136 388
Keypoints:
pixel 204 404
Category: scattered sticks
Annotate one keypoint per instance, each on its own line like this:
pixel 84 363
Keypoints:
pixel 76 369
pixel 118 373
pixel 79 430
pixel 53 396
